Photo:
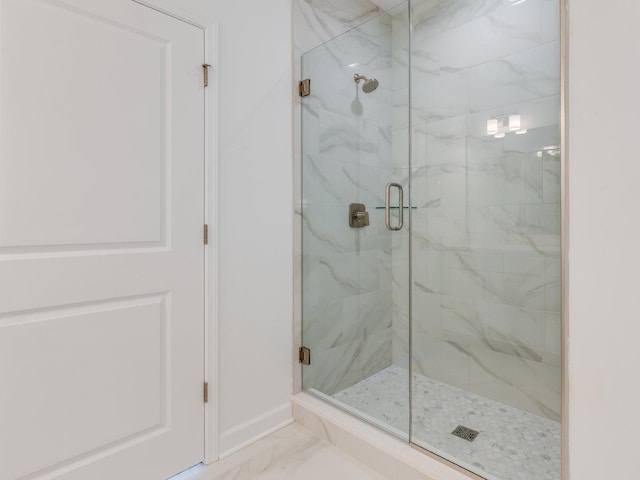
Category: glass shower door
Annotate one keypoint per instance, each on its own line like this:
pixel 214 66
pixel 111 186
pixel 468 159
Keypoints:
pixel 355 169
pixel 486 235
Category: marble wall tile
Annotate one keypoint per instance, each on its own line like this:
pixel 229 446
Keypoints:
pixel 400 322
pixel 435 17
pixel 551 185
pixel 496 34
pixel 429 278
pixel 401 115
pixel 473 285
pixel 325 327
pixel 339 367
pixel 371 311
pixel 516 331
pixel 553 338
pixel 334 369
pixel 428 315
pixel 440 98
pixel 517 78
pixel 448 362
pixel 550 27
pixel 318 21
pixel 329 181
pixel 400 158
pixel 502 328
pixel 553 265
pixel 553 295
pixel 525 290
pixel 344 275
pixel 472 260
pixel 324 234
pixel 462 320
pixel 531 386
pixel 439 143
pixel 377 352
pixel 427 186
pixel 441 228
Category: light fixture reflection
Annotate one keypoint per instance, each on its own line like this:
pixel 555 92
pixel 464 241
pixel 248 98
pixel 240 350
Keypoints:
pixel 492 126
pixel 552 150
pixel 499 126
pixel 514 122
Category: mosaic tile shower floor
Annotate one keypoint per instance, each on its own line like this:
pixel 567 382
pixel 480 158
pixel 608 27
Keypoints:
pixel 512 444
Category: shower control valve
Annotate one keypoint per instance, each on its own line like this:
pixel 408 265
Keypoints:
pixel 358 215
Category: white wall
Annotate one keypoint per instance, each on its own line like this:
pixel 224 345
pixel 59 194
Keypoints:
pixel 255 234
pixel 604 357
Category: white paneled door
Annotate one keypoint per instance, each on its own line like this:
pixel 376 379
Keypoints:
pixel 101 241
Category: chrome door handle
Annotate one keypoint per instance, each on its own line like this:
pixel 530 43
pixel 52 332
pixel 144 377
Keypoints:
pixel 387 206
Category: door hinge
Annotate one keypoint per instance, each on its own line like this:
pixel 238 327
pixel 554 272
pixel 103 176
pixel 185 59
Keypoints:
pixel 205 71
pixel 304 88
pixel 205 392
pixel 206 235
pixel 304 356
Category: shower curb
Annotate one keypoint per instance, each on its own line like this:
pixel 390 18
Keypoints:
pixel 388 455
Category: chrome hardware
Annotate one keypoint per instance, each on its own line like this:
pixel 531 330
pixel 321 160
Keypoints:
pixel 358 215
pixel 465 433
pixel 205 71
pixel 304 88
pixel 370 84
pixel 387 206
pixel 304 355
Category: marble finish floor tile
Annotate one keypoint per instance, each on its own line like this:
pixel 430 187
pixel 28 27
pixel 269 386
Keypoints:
pixel 512 444
pixel 287 454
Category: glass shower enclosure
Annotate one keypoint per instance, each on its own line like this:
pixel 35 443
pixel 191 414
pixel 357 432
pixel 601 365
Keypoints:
pixel 431 230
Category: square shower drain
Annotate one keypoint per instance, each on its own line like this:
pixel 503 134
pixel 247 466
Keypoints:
pixel 465 433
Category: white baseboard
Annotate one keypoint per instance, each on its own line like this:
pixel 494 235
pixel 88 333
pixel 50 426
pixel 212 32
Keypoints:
pixel 253 430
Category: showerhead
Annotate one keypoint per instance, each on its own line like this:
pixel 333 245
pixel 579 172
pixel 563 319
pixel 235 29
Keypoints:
pixel 369 85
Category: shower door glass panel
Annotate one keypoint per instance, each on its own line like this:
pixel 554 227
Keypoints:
pixel 486 235
pixel 355 270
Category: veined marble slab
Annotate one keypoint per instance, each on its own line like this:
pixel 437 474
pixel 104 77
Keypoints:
pixel 289 453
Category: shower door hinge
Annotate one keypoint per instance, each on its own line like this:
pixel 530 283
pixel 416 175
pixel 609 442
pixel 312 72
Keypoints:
pixel 304 355
pixel 205 392
pixel 206 234
pixel 205 71
pixel 305 87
